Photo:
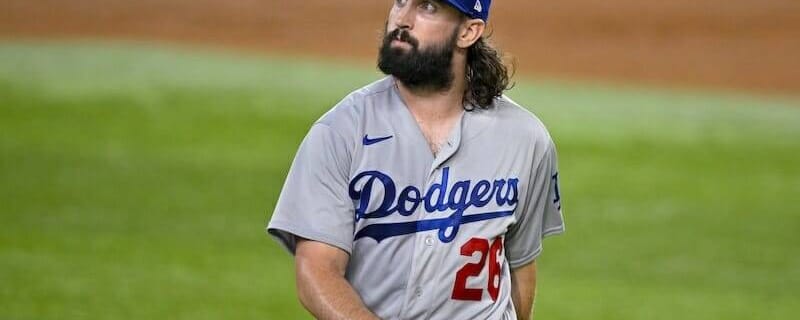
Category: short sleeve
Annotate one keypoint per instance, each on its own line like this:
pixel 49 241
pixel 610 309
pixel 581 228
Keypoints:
pixel 541 214
pixel 314 203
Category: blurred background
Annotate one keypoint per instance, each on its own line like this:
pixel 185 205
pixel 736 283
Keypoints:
pixel 143 145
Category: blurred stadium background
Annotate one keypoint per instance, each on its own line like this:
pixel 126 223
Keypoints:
pixel 144 143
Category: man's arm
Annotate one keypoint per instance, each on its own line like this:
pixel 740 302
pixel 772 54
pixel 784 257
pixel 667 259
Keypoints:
pixel 321 285
pixel 523 290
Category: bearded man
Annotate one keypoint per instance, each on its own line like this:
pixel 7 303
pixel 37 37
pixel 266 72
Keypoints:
pixel 426 194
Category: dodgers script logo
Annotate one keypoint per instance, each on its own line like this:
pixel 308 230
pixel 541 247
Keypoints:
pixel 440 197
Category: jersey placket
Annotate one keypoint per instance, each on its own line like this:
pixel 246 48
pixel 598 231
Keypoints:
pixel 425 262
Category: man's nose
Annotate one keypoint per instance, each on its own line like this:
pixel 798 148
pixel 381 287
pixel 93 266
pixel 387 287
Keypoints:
pixel 405 17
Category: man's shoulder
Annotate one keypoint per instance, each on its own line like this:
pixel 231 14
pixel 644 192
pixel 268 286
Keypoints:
pixel 518 121
pixel 345 113
pixel 344 119
pixel 377 87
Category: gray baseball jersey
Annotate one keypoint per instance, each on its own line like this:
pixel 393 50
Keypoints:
pixel 429 236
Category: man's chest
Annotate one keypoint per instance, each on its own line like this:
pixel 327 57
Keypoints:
pixel 399 188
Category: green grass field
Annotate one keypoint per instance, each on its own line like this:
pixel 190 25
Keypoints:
pixel 136 181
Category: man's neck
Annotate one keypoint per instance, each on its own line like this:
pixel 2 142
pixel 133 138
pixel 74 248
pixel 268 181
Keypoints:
pixel 433 105
pixel 435 111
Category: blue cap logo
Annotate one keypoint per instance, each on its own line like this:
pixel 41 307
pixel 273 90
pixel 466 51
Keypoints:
pixel 479 9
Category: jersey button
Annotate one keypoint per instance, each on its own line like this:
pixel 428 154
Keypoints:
pixel 428 241
pixel 418 292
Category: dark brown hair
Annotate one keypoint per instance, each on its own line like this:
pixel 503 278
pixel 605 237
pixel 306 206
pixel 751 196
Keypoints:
pixel 487 76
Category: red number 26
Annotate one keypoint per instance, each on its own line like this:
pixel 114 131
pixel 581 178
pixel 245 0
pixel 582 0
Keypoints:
pixel 479 245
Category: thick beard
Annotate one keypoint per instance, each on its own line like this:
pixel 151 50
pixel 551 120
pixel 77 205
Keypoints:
pixel 428 69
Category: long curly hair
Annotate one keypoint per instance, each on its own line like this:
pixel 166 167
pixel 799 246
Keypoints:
pixel 487 76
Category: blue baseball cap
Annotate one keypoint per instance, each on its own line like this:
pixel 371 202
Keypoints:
pixel 476 9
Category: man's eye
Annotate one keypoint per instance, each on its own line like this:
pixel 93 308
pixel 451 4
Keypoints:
pixel 428 6
pixel 400 3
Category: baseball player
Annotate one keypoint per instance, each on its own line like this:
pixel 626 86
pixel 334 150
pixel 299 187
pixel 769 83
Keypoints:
pixel 426 194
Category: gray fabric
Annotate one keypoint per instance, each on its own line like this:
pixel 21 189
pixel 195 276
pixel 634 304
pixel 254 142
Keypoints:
pixel 314 203
pixel 364 180
pixel 542 213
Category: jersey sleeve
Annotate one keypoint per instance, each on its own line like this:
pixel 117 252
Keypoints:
pixel 314 203
pixel 541 214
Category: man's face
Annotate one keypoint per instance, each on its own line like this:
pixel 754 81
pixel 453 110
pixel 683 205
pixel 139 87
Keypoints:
pixel 418 43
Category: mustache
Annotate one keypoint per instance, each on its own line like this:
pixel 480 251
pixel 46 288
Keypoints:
pixel 402 35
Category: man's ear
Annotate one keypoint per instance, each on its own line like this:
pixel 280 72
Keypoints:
pixel 470 31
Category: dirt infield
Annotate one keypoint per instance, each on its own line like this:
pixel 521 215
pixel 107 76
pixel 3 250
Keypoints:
pixel 744 44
